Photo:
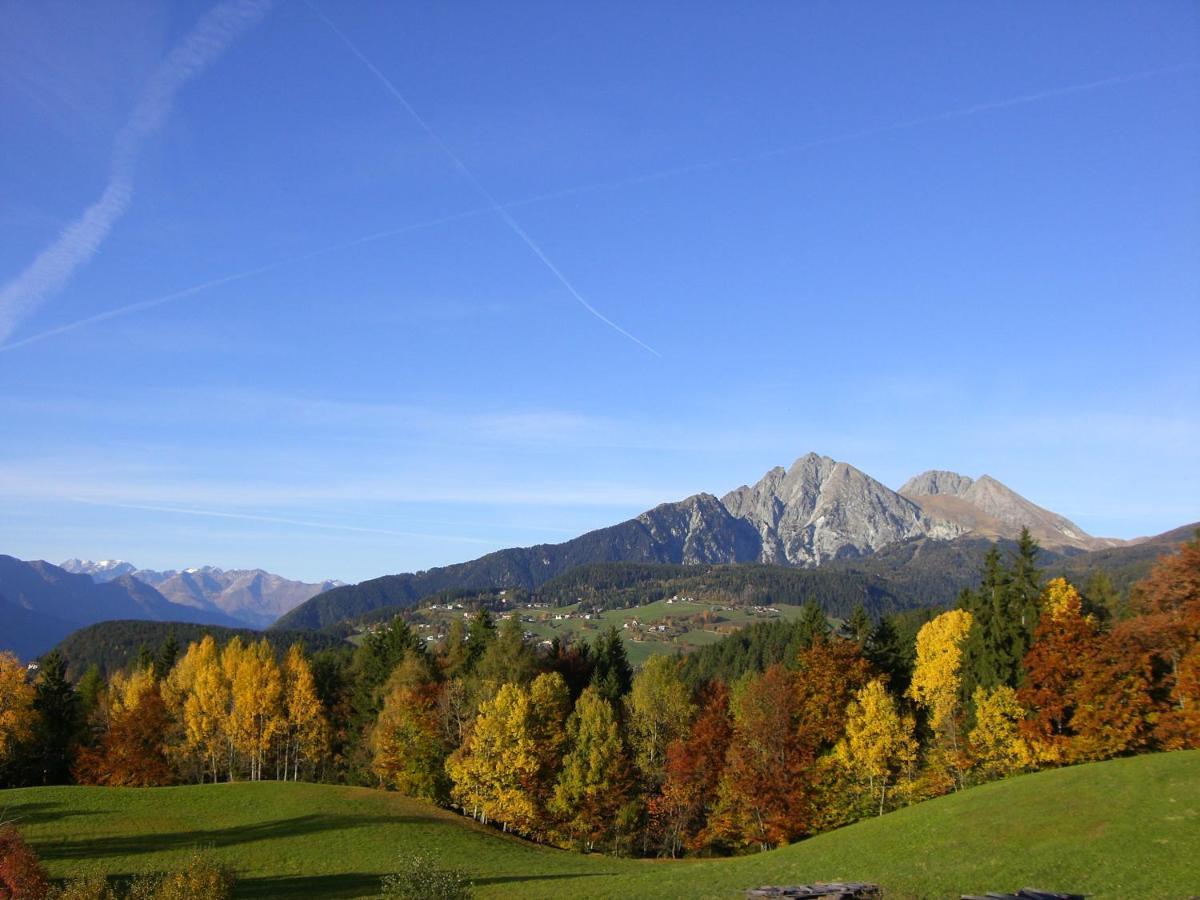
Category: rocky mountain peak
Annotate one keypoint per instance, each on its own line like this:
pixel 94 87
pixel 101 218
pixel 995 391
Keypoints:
pixel 822 509
pixel 937 482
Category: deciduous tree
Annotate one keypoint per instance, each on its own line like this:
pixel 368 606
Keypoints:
pixel 879 748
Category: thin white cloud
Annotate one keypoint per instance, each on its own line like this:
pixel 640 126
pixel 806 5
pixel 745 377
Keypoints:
pixel 673 172
pixel 281 520
pixel 52 268
pixel 494 204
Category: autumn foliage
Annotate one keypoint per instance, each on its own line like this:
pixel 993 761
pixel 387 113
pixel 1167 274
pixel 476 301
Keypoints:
pixel 569 745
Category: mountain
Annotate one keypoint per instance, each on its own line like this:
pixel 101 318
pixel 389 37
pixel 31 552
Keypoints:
pixel 41 603
pixel 816 512
pixel 104 570
pixel 990 509
pixel 820 509
pixel 250 596
pixel 692 531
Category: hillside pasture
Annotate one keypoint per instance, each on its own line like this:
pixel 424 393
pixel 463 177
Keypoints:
pixel 1119 829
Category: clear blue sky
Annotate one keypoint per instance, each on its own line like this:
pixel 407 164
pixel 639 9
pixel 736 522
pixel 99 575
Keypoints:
pixel 909 236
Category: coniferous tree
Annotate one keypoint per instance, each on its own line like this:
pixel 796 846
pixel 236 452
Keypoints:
pixel 480 634
pixel 167 654
pixel 612 675
pixel 858 626
pixel 507 659
pixel 58 722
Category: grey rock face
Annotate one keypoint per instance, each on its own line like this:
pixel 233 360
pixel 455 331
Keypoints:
pixel 937 482
pixel 821 509
pixel 700 530
pixel 1006 511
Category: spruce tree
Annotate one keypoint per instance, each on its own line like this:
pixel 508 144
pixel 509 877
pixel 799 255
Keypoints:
pixel 612 675
pixel 858 626
pixel 58 722
pixel 480 634
pixel 167 654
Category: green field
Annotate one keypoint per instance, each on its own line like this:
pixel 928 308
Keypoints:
pixel 682 619
pixel 1127 828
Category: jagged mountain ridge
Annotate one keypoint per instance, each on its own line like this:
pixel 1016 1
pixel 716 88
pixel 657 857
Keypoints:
pixel 991 509
pixel 40 604
pixel 817 511
pixel 253 597
pixel 821 509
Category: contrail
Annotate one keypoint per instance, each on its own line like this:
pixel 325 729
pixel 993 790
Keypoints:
pixel 483 192
pixel 140 305
pixel 80 240
pixel 961 112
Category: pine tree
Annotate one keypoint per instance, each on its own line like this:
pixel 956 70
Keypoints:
pixel 454 649
pixel 58 723
pixel 858 626
pixel 812 627
pixel 507 658
pixel 612 674
pixel 480 634
pixel 167 654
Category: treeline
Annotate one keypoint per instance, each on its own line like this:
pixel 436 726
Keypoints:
pixel 120 643
pixel 796 731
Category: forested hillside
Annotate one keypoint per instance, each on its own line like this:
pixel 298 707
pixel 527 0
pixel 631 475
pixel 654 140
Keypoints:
pixel 112 646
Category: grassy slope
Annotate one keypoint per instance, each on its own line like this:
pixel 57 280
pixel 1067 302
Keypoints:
pixel 1126 828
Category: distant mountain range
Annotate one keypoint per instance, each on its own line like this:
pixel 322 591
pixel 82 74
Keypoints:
pixel 40 604
pixel 249 596
pixel 818 511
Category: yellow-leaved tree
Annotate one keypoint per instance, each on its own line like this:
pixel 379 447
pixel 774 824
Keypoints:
pixel 491 770
pixel 996 744
pixel 879 749
pixel 307 738
pixel 936 684
pixel 256 715
pixel 206 706
pixel 16 704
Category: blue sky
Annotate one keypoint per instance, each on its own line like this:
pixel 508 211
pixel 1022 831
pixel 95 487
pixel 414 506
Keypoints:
pixel 908 236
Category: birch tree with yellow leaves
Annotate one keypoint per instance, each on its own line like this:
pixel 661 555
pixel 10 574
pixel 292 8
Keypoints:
pixel 879 748
pixel 16 704
pixel 936 685
pixel 307 733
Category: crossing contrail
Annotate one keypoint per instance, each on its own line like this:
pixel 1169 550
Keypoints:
pixel 494 208
pixel 483 192
pixel 81 240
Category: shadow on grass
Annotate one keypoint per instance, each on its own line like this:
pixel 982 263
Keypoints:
pixel 356 884
pixel 33 813
pixel 507 879
pixel 336 887
pixel 127 845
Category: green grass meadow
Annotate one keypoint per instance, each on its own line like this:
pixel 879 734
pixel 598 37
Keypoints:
pixel 1128 828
